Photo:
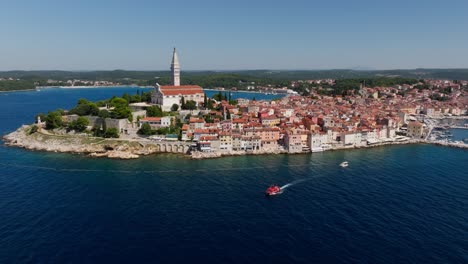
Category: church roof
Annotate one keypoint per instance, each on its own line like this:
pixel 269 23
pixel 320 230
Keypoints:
pixel 180 90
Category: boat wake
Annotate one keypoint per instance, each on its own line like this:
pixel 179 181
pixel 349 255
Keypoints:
pixel 293 183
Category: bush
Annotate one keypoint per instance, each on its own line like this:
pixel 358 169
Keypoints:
pixel 53 120
pixel 154 111
pixel 85 107
pixel 79 125
pixel 111 133
pixel 175 107
pixel 33 129
pixel 104 114
pixel 145 130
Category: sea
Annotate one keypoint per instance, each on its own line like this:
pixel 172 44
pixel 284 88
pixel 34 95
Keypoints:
pixel 393 204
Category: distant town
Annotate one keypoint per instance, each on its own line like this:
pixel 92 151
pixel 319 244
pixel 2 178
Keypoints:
pixel 313 115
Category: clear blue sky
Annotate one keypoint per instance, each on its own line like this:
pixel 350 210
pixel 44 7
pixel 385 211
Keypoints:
pixel 240 34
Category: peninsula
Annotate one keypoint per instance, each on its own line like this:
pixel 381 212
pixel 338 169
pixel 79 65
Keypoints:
pixel 314 115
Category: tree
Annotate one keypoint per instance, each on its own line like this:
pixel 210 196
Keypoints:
pixel 190 105
pixel 121 112
pixel 118 102
pixel 121 109
pixel 135 98
pixel 219 97
pixel 79 125
pixel 104 114
pixel 205 101
pixel 175 107
pixel 53 120
pixel 154 111
pixel 85 107
pixel 182 102
pixel 228 114
pixel 145 130
pixel 145 97
pixel 111 133
pixel 34 129
pixel 127 97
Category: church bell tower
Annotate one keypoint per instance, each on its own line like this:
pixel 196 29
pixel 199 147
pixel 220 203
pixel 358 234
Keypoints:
pixel 175 69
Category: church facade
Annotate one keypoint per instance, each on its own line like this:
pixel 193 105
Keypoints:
pixel 168 95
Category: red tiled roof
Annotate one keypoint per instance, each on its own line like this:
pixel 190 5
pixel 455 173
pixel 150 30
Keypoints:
pixel 151 119
pixel 180 90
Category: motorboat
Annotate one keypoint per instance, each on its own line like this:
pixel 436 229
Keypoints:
pixel 344 164
pixel 273 190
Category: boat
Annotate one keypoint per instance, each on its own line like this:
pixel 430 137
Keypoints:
pixel 273 190
pixel 344 164
pixel 317 149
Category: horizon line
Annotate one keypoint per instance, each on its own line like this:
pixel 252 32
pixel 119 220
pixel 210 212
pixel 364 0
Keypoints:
pixel 230 70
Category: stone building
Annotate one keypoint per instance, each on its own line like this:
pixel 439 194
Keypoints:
pixel 168 95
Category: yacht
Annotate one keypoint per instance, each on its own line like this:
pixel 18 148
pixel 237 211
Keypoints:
pixel 344 164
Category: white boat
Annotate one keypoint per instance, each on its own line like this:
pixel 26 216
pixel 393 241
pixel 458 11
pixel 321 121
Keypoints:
pixel 317 149
pixel 344 164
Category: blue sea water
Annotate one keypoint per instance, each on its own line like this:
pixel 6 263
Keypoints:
pixel 399 204
pixel 459 134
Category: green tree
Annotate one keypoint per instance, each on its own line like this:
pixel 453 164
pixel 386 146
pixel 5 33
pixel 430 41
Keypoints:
pixel 135 98
pixel 145 97
pixel 118 102
pixel 145 130
pixel 85 107
pixel 111 133
pixel 79 125
pixel 190 105
pixel 121 109
pixel 34 129
pixel 121 112
pixel 53 120
pixel 127 97
pixel 104 114
pixel 174 107
pixel 182 102
pixel 154 111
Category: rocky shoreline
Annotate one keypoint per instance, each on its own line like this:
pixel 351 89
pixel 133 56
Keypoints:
pixel 94 147
pixel 131 149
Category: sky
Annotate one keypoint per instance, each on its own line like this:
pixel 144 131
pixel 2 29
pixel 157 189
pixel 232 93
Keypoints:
pixel 233 35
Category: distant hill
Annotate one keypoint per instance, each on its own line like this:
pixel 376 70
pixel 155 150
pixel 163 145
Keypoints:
pixel 451 74
pixel 209 79
pixel 116 75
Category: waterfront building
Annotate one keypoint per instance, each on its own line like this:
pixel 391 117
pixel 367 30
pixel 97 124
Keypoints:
pixel 293 142
pixel 168 95
pixel 225 139
pixel 156 122
pixel 415 129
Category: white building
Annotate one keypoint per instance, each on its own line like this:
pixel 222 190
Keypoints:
pixel 168 95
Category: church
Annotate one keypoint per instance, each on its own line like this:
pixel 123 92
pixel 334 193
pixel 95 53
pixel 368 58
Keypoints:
pixel 167 95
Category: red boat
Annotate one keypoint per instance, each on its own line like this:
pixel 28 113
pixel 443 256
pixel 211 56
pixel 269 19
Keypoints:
pixel 273 190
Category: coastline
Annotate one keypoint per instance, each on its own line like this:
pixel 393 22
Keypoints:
pixel 91 87
pixel 14 91
pixel 132 149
